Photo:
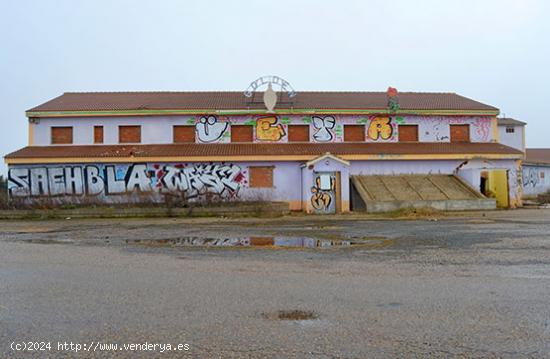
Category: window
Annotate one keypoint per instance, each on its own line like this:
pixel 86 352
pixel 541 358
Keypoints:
pixel 542 175
pixel 129 134
pixel 241 133
pixel 184 134
pixel 460 133
pixel 354 133
pixel 510 130
pixel 261 177
pixel 98 134
pixel 298 133
pixel 408 133
pixel 62 135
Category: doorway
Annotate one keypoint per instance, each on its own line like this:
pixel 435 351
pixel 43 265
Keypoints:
pixel 325 193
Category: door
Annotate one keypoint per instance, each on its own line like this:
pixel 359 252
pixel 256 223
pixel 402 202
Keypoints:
pixel 324 192
pixel 498 187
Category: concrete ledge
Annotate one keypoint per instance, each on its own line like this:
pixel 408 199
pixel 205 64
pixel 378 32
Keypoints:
pixel 443 205
pixel 260 209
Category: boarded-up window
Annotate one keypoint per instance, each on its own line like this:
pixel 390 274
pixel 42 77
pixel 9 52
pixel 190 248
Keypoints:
pixel 98 134
pixel 241 133
pixel 460 133
pixel 62 135
pixel 129 134
pixel 298 133
pixel 261 176
pixel 184 134
pixel 408 133
pixel 354 133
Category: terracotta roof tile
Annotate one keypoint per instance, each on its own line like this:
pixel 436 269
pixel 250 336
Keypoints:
pixel 506 121
pixel 267 150
pixel 537 155
pixel 119 101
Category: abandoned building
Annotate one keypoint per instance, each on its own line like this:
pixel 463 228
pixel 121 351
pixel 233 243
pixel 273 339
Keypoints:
pixel 322 152
pixel 536 172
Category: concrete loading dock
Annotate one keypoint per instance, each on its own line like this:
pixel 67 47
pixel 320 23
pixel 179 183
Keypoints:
pixel 389 193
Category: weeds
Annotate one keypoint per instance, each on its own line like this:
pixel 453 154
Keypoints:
pixel 413 213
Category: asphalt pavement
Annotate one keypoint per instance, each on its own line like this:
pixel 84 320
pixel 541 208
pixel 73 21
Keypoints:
pixel 471 285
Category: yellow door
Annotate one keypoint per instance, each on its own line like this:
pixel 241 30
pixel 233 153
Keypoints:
pixel 498 186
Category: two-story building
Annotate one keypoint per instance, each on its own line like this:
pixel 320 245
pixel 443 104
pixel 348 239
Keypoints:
pixel 321 152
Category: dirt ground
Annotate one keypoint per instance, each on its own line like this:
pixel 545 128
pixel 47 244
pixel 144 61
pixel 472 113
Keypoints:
pixel 468 285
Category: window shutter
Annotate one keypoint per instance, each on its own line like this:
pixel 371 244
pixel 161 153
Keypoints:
pixel 62 135
pixel 129 134
pixel 184 134
pixel 241 133
pixel 260 176
pixel 298 133
pixel 354 133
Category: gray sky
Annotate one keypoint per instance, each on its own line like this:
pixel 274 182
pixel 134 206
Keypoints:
pixel 495 51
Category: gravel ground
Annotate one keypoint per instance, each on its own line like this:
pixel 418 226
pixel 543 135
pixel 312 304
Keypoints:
pixel 470 285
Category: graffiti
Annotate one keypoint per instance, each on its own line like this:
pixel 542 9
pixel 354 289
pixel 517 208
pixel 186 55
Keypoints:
pixel 482 129
pixel 324 128
pixel 268 129
pixel 380 128
pixel 322 192
pixel 438 127
pixel 530 177
pixel 222 180
pixel 209 129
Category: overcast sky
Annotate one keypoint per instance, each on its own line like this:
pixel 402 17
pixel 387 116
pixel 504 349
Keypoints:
pixel 494 51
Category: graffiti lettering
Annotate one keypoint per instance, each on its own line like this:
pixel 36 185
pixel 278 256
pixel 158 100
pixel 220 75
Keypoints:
pixel 223 180
pixel 268 129
pixel 380 128
pixel 209 129
pixel 324 128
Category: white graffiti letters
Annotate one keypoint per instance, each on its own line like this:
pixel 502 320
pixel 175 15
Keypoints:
pixel 222 180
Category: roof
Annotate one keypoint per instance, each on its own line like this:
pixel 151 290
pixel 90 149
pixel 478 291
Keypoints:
pixel 327 156
pixel 231 151
pixel 537 155
pixel 233 100
pixel 507 121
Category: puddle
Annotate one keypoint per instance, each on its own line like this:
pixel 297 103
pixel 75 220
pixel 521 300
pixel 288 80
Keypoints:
pixel 49 241
pixel 254 241
pixel 291 315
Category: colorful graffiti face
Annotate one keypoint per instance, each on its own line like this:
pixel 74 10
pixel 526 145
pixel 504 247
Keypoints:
pixel 380 128
pixel 222 180
pixel 324 128
pixel 268 129
pixel 210 129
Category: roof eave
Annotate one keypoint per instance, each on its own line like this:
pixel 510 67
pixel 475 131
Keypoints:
pixel 297 111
